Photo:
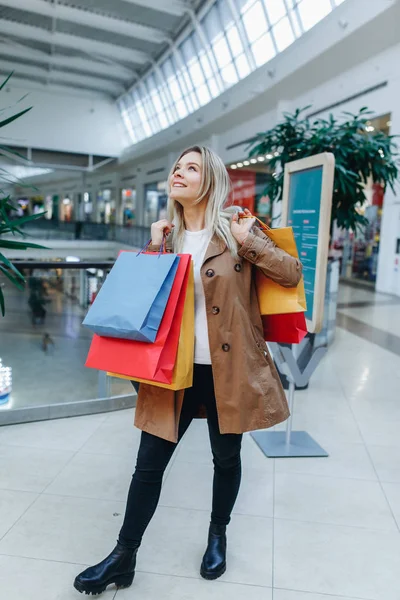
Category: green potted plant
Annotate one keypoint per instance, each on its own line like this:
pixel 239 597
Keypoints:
pixel 9 225
pixel 362 154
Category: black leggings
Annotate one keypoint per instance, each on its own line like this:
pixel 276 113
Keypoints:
pixel 155 453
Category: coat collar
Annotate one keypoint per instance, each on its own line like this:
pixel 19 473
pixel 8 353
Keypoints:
pixel 215 248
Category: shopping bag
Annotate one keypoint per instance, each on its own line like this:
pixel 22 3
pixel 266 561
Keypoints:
pixel 274 299
pixel 151 361
pixel 182 377
pixel 285 329
pixel 133 298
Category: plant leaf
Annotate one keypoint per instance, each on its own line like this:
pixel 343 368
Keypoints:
pixel 2 305
pixel 20 245
pixel 6 80
pixel 14 117
pixel 9 264
pixel 17 282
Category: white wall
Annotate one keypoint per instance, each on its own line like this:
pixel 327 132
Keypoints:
pixel 65 122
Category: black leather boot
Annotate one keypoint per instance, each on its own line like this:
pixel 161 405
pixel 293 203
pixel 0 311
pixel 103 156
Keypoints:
pixel 214 559
pixel 118 567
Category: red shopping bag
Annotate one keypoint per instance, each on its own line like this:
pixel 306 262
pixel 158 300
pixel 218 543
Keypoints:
pixel 285 329
pixel 152 361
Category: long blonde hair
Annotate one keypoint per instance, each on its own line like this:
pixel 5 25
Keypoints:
pixel 215 185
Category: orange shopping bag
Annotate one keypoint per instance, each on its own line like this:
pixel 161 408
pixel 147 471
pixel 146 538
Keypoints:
pixel 274 299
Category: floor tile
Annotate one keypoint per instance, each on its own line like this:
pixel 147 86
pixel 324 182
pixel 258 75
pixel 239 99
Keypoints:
pixel 296 595
pixel 65 529
pixel 13 504
pixel 100 476
pixel 150 586
pixel 386 460
pixel 344 460
pixel 392 491
pixel 116 435
pixel 329 559
pixel 58 434
pixel 332 500
pixel 30 469
pixel 28 579
pixel 176 540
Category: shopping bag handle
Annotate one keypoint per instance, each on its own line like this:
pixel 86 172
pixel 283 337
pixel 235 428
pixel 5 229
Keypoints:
pixel 163 247
pixel 262 225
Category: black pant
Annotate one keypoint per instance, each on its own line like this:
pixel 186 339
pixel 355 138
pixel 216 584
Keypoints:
pixel 155 453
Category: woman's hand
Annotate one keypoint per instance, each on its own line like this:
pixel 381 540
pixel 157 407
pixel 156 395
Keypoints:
pixel 159 229
pixel 240 227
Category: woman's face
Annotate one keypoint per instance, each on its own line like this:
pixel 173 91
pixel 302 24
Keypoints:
pixel 186 179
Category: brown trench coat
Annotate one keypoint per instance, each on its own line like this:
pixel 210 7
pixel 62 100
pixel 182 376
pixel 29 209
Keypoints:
pixel 248 391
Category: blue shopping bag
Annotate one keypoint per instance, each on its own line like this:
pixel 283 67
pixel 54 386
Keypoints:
pixel 132 300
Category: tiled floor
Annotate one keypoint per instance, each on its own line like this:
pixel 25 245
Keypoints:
pixel 302 529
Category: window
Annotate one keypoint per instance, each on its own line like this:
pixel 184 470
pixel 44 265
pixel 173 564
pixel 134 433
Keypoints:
pixel 311 12
pixel 234 43
pixel 254 21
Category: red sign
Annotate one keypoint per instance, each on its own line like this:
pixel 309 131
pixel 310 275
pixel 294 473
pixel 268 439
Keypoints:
pixel 243 189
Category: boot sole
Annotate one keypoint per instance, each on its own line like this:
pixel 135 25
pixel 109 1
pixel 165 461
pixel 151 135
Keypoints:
pixel 211 575
pixel 121 581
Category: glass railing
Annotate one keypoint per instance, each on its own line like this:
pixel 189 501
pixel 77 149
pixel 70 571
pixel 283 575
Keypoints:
pixel 135 235
pixel 43 346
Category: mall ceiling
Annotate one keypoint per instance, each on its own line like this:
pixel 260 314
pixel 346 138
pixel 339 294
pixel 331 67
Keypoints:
pixel 96 46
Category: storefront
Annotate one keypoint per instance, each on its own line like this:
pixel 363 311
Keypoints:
pixel 249 180
pixel 128 207
pixel 358 251
pixel 66 209
pixel 87 206
pixel 106 208
pixel 156 199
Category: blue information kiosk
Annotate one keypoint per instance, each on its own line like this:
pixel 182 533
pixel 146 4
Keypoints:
pixel 306 206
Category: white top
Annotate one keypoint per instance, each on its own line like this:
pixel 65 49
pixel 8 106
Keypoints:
pixel 196 244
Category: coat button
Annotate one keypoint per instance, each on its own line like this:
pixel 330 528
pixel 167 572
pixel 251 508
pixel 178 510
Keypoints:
pixel 226 347
pixel 210 273
pixel 215 310
pixel 252 253
pixel 238 267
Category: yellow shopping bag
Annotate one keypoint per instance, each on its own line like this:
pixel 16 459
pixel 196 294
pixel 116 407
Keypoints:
pixel 274 299
pixel 183 370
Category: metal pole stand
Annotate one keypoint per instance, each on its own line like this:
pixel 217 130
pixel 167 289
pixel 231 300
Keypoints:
pixel 281 444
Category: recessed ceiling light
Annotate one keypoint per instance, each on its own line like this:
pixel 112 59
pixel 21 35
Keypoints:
pixel 240 165
pixel 233 166
pixel 269 156
pixel 276 153
pixel 260 158
pixel 246 162
pixel 253 161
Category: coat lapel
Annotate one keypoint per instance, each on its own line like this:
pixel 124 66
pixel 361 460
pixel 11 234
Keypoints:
pixel 215 248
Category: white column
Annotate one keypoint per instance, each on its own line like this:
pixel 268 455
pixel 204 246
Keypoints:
pixel 388 275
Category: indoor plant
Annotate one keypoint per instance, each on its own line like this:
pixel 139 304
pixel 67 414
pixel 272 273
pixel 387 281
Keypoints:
pixel 7 224
pixel 360 154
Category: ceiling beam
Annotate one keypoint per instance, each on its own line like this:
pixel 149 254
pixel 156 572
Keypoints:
pixel 85 45
pixel 24 84
pixel 104 85
pixel 90 19
pixel 85 65
pixel 172 7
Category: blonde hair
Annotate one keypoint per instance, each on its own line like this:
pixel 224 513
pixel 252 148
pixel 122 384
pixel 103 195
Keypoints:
pixel 215 187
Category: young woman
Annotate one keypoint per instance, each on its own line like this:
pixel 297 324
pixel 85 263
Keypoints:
pixel 235 383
